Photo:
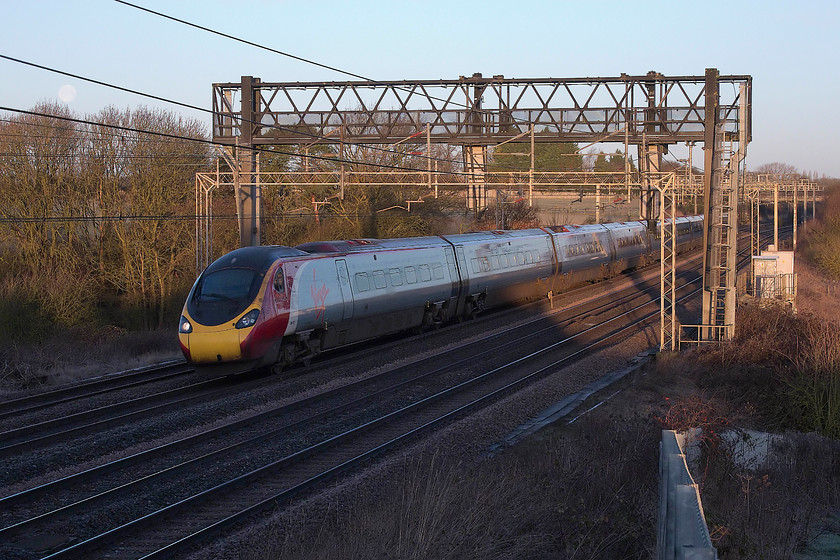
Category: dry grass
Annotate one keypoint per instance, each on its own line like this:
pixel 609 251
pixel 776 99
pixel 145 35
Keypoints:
pixel 772 511
pixel 80 353
pixel 587 491
pixel 782 373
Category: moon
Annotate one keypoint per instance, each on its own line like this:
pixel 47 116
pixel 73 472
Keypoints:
pixel 67 93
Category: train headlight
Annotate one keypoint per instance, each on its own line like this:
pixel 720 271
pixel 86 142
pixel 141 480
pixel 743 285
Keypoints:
pixel 184 327
pixel 248 319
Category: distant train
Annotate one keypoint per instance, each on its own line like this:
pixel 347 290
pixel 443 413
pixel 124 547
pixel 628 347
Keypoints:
pixel 274 305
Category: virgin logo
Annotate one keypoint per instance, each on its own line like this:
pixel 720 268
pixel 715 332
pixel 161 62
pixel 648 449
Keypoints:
pixel 319 296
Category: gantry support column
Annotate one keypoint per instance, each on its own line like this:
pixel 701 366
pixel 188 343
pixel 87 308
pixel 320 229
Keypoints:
pixel 650 156
pixel 247 189
pixel 650 164
pixel 475 165
pixel 714 285
pixel 720 187
pixel 475 156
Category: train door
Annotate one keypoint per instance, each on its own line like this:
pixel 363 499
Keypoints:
pixel 454 274
pixel 461 261
pixel 344 286
pixel 281 290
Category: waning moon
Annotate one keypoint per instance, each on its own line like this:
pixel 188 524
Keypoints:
pixel 67 93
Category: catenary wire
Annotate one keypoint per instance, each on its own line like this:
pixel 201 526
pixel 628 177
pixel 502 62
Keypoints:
pixel 276 51
pixel 251 148
pixel 203 110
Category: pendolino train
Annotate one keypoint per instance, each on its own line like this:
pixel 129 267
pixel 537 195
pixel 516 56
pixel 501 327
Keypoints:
pixel 274 305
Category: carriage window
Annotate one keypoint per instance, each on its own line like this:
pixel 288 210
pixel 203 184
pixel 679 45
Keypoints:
pixel 438 271
pixel 379 279
pixel 410 275
pixel 396 277
pixel 362 282
pixel 425 273
pixel 475 265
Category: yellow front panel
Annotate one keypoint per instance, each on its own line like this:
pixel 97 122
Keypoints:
pixel 208 346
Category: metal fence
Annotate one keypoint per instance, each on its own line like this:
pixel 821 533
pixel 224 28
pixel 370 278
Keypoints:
pixel 703 334
pixel 682 533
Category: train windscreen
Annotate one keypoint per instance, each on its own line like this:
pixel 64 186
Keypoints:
pixel 222 294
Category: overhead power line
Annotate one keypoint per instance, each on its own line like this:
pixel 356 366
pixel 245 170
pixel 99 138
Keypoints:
pixel 289 55
pixel 212 143
pixel 204 110
pixel 245 41
pixel 171 217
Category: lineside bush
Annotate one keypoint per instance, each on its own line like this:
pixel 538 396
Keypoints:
pixel 785 364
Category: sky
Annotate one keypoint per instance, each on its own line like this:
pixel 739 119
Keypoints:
pixel 789 48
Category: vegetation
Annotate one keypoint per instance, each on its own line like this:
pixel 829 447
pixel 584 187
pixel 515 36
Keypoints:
pixel 547 157
pixel 822 246
pixel 88 217
pixel 614 163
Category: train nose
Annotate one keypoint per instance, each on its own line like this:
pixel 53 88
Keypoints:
pixel 219 346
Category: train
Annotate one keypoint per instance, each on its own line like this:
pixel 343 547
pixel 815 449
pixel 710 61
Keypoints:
pixel 273 306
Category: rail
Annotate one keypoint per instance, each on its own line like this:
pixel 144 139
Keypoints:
pixel 682 533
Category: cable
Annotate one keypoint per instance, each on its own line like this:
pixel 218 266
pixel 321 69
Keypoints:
pixel 170 217
pixel 251 148
pixel 94 157
pixel 203 110
pixel 282 53
pixel 301 59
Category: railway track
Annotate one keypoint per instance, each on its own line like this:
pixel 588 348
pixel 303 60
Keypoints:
pixel 90 388
pixel 310 437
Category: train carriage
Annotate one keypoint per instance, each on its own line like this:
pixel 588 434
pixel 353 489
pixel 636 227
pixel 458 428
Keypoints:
pixel 631 245
pixel 502 266
pixel 387 285
pixel 583 253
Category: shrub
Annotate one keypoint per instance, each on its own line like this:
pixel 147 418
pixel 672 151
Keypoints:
pixel 787 364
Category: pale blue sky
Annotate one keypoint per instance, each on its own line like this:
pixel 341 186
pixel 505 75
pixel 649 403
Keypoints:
pixel 790 49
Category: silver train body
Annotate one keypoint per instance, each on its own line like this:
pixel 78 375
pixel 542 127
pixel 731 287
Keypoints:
pixel 265 306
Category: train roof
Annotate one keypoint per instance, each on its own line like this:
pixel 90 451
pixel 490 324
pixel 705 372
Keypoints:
pixel 586 228
pixel 493 235
pixel 367 245
pixel 638 224
pixel 259 258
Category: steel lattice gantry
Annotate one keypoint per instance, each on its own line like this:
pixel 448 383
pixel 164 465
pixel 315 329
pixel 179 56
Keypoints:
pixel 652 109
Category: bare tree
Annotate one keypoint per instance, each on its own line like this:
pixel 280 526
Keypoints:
pixel 777 168
pixel 156 250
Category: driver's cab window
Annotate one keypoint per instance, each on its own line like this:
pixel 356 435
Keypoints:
pixel 279 283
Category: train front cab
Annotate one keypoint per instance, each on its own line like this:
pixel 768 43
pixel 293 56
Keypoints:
pixel 237 310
